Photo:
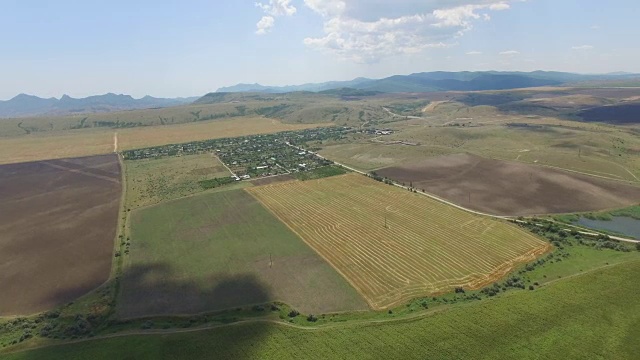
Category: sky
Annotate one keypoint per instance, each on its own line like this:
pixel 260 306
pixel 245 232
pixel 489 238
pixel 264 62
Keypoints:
pixel 174 48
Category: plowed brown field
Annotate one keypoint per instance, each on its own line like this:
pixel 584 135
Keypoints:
pixel 511 188
pixel 425 248
pixel 57 228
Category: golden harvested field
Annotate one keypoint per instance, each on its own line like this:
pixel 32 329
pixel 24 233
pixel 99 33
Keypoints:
pixel 76 143
pixel 426 247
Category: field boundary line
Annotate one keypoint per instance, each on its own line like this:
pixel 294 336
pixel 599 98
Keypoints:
pixel 358 290
pixel 501 217
pixel 407 188
pixel 76 171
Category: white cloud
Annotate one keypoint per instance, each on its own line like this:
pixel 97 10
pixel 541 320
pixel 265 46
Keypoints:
pixel 264 25
pixel 360 33
pixel 272 9
pixel 595 27
pixel 509 53
pixel 474 53
pixel 278 8
pixel 327 7
pixel 582 47
pixel 499 6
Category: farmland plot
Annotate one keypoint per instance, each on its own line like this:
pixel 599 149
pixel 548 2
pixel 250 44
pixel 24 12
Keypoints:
pixel 394 245
pixel 217 251
pixel 57 230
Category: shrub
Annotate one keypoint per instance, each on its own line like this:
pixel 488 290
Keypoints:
pixel 312 318
pixel 293 313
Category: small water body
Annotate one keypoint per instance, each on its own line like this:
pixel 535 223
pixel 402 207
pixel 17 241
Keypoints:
pixel 620 224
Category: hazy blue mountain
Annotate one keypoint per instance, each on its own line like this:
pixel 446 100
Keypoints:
pixel 29 105
pixel 257 88
pixel 440 81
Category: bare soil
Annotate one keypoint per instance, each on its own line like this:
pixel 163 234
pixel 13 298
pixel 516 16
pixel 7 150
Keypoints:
pixel 511 188
pixel 57 228
pixel 272 180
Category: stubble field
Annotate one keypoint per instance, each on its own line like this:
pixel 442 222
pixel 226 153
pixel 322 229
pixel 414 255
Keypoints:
pixel 85 142
pixel 393 245
pixel 57 230
pixel 221 251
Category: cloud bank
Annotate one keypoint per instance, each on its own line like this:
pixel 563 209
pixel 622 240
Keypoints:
pixel 366 31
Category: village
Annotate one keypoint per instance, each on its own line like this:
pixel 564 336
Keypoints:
pixel 256 156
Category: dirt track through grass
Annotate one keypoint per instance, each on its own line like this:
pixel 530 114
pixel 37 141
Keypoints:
pixel 426 247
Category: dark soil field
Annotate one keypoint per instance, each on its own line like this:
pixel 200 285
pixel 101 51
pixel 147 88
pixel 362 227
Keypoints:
pixel 272 180
pixel 511 188
pixel 221 251
pixel 617 114
pixel 57 230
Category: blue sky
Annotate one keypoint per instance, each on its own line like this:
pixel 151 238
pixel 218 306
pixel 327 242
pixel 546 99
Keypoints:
pixel 187 48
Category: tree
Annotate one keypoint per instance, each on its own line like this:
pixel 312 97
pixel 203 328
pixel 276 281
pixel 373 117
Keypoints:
pixel 638 246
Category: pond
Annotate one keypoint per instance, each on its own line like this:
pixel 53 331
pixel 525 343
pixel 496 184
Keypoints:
pixel 619 224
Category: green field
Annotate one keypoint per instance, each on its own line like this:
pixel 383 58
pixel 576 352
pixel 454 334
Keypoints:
pixel 592 316
pixel 223 250
pixel 319 173
pixel 155 180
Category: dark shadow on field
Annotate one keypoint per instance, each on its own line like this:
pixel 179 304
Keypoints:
pixel 148 294
pixel 151 290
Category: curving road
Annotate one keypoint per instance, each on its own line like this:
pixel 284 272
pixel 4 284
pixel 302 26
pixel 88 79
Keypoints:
pixel 508 218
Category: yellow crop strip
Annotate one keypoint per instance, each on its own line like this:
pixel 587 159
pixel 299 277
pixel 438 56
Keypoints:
pixel 393 245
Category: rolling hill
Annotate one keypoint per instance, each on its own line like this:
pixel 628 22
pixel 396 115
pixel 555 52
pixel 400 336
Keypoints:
pixel 441 81
pixel 29 105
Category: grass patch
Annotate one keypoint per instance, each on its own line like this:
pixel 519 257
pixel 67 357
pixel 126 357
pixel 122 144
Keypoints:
pixel 319 173
pixel 152 181
pixel 223 250
pixel 632 212
pixel 214 183
pixel 597 320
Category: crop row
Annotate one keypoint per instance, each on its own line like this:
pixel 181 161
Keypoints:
pixel 393 245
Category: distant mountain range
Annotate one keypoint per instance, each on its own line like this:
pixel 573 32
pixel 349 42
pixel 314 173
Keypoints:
pixel 29 105
pixel 441 81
